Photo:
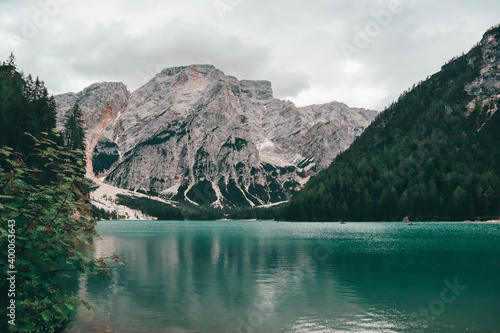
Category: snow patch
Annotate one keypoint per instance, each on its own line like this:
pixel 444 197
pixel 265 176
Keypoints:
pixel 272 204
pixel 171 190
pixel 266 144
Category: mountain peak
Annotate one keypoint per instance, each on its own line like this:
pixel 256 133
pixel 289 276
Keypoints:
pixel 200 69
pixel 197 78
pixel 193 133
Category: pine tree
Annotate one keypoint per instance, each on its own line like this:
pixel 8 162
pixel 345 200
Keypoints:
pixel 74 132
pixel 25 107
pixel 11 61
pixel 42 189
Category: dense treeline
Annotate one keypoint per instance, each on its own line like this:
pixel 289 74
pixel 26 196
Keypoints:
pixel 164 211
pixel 25 107
pixel 154 208
pixel 44 205
pixel 426 156
pixel 102 214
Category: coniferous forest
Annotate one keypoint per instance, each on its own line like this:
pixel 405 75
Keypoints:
pixel 427 156
pixel 44 204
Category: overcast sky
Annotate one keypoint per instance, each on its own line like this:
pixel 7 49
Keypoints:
pixel 363 53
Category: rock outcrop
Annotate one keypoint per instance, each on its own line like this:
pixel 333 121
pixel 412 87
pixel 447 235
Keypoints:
pixel 486 86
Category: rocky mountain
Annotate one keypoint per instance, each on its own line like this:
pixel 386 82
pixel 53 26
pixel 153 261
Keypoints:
pixel 193 133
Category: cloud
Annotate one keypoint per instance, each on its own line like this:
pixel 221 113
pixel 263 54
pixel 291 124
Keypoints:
pixel 296 44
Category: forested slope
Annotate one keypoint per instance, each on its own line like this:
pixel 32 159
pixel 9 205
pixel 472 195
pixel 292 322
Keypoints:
pixel 431 155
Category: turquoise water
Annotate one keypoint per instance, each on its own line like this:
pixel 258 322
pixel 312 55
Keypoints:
pixel 295 277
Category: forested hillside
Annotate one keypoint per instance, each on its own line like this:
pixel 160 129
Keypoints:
pixel 44 206
pixel 431 155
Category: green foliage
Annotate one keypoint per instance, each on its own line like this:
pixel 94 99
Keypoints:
pixel 102 161
pixel 102 214
pixel 104 156
pixel 74 134
pixel 150 207
pixel 43 189
pixel 52 219
pixel 493 30
pixel 202 193
pixel 196 213
pixel 25 106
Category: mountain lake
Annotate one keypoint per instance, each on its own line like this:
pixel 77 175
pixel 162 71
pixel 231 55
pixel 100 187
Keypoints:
pixel 252 276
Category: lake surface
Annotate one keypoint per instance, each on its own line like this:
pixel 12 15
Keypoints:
pixel 228 276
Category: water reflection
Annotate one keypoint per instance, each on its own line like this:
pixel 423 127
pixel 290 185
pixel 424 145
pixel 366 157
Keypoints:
pixel 214 277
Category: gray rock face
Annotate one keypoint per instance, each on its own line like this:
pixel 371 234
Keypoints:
pixel 192 133
pixel 101 103
pixel 486 86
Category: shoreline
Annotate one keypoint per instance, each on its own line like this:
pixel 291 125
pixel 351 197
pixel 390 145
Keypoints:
pixel 322 222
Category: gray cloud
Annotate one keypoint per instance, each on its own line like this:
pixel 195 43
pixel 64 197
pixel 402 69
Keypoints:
pixel 299 45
